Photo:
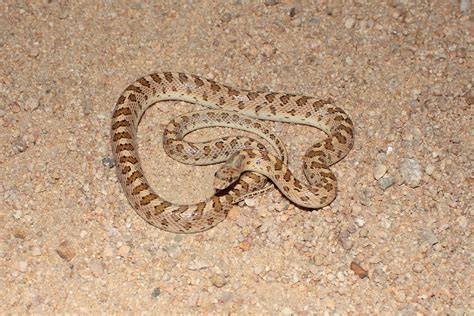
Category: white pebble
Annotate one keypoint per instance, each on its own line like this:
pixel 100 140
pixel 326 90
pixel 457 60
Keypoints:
pixel 18 214
pixel 379 171
pixel 22 266
pixel 349 23
pixel 123 251
pixel 250 202
pixel 411 172
pixel 35 251
pixel 462 221
pixel 359 221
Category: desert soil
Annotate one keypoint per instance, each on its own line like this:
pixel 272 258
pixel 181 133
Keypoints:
pixel 398 238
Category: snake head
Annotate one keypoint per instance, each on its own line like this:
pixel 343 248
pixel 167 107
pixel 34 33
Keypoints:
pixel 225 176
pixel 229 172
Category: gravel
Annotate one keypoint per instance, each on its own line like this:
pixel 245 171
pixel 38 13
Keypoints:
pixel 396 240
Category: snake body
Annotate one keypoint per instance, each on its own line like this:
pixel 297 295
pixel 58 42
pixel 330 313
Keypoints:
pixel 237 105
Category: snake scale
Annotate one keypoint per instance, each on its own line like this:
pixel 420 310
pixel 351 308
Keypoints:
pixel 249 163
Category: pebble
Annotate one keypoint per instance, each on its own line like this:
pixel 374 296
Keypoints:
pixel 244 245
pixel 96 268
pixel 156 292
pixel 271 2
pixel 250 202
pixel 462 221
pixel 386 182
pixel 197 265
pixel 31 104
pixel 35 251
pixel 123 251
pixel 18 214
pixel 108 251
pixel 226 17
pixel 66 251
pixel 108 162
pixel 469 97
pixel 429 237
pixel 314 21
pixel 358 270
pixel 218 280
pixel 411 172
pixel 287 311
pixel 346 243
pixel 234 213
pixel 22 266
pixel 19 145
pixel 379 171
pixel 268 50
pixel 350 22
pixel 363 233
pixel 359 221
pixel 465 7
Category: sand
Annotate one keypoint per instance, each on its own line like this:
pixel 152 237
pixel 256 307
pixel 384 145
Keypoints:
pixel 398 238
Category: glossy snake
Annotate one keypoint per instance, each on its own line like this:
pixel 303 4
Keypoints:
pixel 235 108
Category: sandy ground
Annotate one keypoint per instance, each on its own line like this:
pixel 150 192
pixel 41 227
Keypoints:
pixel 70 242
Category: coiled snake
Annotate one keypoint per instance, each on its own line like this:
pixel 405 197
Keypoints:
pixel 248 162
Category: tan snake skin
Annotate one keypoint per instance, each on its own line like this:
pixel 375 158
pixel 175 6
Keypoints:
pixel 267 106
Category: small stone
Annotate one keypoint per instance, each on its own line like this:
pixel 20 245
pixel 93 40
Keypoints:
pixel 19 144
pixel 358 270
pixel 226 17
pixel 411 172
pixel 108 251
pixel 469 97
pixel 314 21
pixel 244 245
pixel 418 268
pixel 123 251
pixel 386 182
pixel 234 213
pixel 429 169
pixel 271 2
pixel 268 50
pixel 22 266
pixel 19 233
pixel 66 251
pixel 379 171
pixel 108 162
pixel 287 311
pixel 218 280
pixel 35 251
pixel 34 51
pixel 112 232
pixel 96 268
pixel 15 107
pixel 197 265
pixel 292 12
pixel 18 214
pixel 350 22
pixel 462 221
pixel 250 202
pixel 346 243
pixel 156 292
pixel 429 237
pixel 359 221
pixel 363 233
pixel 465 7
pixel 31 104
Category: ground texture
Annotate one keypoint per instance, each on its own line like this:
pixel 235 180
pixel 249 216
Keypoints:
pixel 398 238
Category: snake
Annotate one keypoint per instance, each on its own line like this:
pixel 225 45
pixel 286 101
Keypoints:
pixel 246 168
